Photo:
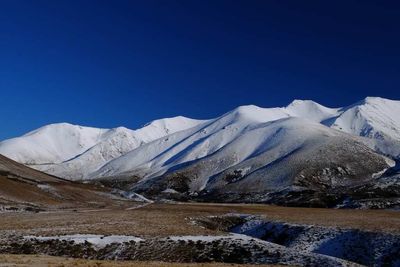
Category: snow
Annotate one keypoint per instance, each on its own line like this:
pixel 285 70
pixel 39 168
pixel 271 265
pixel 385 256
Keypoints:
pixel 53 143
pixel 170 191
pixel 311 110
pixel 375 118
pixel 132 196
pixel 223 145
pixel 77 152
pixel 255 114
pixel 354 245
pixel 99 241
pixel 73 152
pixel 45 187
pixel 372 117
pixel 210 238
pixel 11 209
pixel 251 250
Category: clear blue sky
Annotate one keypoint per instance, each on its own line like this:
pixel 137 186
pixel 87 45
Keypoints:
pixel 111 63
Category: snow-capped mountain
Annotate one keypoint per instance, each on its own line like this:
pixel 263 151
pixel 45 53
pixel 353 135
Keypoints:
pixel 375 118
pixel 52 144
pixel 242 140
pixel 73 152
pixel 208 138
pixel 372 117
pixel 281 154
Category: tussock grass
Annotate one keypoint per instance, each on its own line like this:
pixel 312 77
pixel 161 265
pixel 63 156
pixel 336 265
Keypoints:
pixel 162 220
pixel 49 261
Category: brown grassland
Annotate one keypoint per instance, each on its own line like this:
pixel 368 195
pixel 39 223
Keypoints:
pixel 49 261
pixel 160 220
pixel 157 220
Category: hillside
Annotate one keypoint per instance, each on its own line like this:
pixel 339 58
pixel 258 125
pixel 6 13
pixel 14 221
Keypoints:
pixel 22 188
pixel 73 152
pixel 301 147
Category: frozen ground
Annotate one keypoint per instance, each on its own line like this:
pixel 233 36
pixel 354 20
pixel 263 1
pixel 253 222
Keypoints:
pixel 200 233
pixel 363 247
pixel 231 248
pixel 98 241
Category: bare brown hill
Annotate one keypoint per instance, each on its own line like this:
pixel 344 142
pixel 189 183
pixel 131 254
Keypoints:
pixel 24 188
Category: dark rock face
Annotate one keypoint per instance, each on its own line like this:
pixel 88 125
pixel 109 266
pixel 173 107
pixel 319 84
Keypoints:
pixel 380 193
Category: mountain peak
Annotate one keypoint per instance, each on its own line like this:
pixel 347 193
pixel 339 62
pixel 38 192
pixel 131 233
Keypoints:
pixel 171 120
pixel 310 110
pixel 256 113
pixel 63 148
pixel 381 101
pixel 246 109
pixel 62 126
pixel 372 100
pixel 302 102
pixel 173 124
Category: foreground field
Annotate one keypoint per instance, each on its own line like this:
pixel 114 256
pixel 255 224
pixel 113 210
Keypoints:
pixel 49 261
pixel 148 233
pixel 161 220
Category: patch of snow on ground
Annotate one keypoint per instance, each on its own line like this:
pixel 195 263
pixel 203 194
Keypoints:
pixel 44 186
pixel 99 241
pixel 132 196
pixel 170 191
pixel 210 238
pixel 379 174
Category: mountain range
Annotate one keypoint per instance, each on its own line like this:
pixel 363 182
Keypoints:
pixel 249 150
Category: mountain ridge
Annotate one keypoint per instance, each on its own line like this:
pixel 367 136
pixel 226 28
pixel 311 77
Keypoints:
pixel 77 152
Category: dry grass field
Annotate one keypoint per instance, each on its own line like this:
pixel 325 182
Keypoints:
pixel 48 261
pixel 162 220
pixel 158 220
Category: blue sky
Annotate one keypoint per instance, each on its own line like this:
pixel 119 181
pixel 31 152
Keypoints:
pixel 111 63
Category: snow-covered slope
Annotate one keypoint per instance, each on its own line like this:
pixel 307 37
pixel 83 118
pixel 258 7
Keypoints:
pixel 238 136
pixel 73 152
pixel 53 143
pixel 375 118
pixel 372 117
pixel 249 155
pixel 311 110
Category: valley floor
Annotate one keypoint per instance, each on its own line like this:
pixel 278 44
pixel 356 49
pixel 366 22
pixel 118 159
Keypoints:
pixel 7 260
pixel 190 228
pixel 162 220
